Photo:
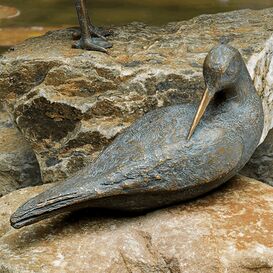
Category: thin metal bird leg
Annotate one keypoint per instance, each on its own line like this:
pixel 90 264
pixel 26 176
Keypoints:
pixel 95 31
pixel 86 40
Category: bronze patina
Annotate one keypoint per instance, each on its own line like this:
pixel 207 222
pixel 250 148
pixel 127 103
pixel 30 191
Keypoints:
pixel 89 37
pixel 164 157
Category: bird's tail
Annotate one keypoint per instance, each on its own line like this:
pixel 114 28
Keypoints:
pixel 58 199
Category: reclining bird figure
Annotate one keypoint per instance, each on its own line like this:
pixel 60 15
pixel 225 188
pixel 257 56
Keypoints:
pixel 169 155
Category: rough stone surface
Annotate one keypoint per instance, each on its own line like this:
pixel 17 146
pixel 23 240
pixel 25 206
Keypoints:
pixel 70 104
pixel 228 231
pixel 260 165
pixel 18 164
pixel 261 69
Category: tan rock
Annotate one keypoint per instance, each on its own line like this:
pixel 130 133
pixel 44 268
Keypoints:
pixel 70 104
pixel 18 164
pixel 228 231
pixel 13 35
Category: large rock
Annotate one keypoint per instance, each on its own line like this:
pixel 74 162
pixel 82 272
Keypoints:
pixel 70 104
pixel 18 164
pixel 227 231
pixel 260 166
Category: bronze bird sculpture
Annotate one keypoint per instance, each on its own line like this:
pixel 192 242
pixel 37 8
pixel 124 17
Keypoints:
pixel 89 37
pixel 164 158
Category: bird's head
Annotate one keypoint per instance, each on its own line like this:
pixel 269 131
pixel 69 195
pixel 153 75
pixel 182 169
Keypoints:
pixel 222 68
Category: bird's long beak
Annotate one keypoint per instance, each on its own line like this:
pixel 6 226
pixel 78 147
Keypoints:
pixel 200 112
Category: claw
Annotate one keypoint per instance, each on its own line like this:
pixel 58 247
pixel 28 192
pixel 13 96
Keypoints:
pixel 95 44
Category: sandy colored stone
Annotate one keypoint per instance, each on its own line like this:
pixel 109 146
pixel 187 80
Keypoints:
pixel 70 104
pixel 18 164
pixel 13 35
pixel 8 12
pixel 229 230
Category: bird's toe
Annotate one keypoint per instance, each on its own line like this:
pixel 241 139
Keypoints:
pixel 94 44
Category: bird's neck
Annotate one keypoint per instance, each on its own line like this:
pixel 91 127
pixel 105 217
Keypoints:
pixel 244 87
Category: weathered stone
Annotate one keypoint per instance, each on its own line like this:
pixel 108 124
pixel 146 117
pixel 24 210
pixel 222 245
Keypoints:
pixel 18 164
pixel 228 231
pixel 70 104
pixel 260 165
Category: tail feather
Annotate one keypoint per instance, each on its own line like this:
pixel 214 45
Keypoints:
pixel 80 191
pixel 43 206
pixel 70 195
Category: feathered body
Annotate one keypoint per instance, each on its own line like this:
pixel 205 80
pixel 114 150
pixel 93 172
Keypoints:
pixel 152 164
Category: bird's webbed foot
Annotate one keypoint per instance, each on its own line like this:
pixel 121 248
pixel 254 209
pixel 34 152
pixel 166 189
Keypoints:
pixel 97 41
pixel 89 37
pixel 96 44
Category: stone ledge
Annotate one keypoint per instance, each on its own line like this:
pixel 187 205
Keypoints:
pixel 70 104
pixel 228 230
